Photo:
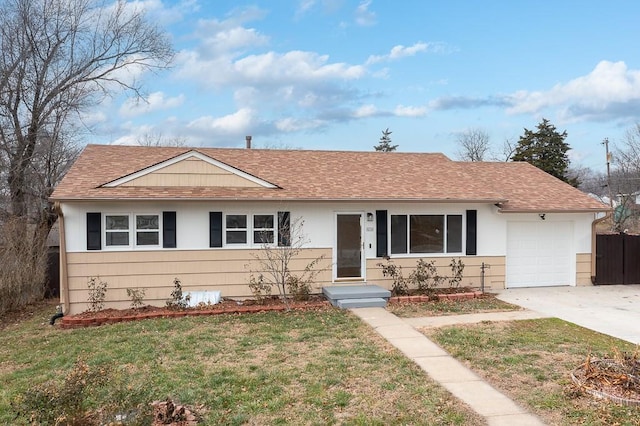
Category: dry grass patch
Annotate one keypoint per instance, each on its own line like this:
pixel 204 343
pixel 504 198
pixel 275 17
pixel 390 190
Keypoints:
pixel 485 303
pixel 531 362
pixel 321 367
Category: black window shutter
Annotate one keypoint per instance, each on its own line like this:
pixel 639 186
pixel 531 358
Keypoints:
pixel 169 230
pixel 472 231
pixel 381 233
pixel 284 229
pixel 94 231
pixel 215 229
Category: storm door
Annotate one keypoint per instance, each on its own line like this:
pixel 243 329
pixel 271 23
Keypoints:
pixel 349 257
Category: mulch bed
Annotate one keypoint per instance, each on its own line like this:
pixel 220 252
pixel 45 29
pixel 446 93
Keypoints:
pixel 225 306
pixel 229 306
pixel 464 293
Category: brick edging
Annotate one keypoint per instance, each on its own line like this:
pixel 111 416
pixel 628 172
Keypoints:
pixel 81 322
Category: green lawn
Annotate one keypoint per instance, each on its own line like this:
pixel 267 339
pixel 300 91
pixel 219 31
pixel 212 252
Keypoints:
pixel 316 367
pixel 531 361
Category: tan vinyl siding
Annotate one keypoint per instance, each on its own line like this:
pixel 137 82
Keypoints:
pixel 471 276
pixel 224 270
pixel 583 269
pixel 192 172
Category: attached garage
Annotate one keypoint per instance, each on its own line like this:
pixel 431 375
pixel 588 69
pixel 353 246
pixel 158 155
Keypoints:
pixel 539 254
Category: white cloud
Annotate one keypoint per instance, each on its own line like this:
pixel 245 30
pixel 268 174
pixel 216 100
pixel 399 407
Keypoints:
pixel 91 117
pixel 366 111
pixel 400 51
pixel 271 79
pixel 364 17
pixel 304 6
pixel 154 102
pixel 237 123
pixel 294 66
pixel 611 85
pixel 291 124
pixel 221 39
pixel 163 14
pixel 410 111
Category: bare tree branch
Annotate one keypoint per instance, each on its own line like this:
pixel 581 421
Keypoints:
pixel 57 59
pixel 473 145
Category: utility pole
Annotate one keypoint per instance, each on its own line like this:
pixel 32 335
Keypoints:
pixel 605 142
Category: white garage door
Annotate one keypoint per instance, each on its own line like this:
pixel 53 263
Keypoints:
pixel 539 254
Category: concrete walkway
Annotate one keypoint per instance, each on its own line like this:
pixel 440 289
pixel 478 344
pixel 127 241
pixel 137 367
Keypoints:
pixel 498 409
pixel 608 309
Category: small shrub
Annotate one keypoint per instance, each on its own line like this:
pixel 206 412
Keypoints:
pixel 23 263
pixel 137 296
pixel 178 300
pixel 425 277
pixel 259 288
pixel 399 286
pixel 300 289
pixel 274 261
pixel 457 268
pixel 67 402
pixel 97 293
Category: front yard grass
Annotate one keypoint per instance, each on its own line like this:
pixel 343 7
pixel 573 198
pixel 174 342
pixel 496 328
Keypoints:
pixel 531 361
pixel 314 367
pixel 486 303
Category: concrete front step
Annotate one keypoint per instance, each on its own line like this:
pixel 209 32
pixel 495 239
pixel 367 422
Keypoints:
pixel 357 296
pixel 370 302
pixel 355 291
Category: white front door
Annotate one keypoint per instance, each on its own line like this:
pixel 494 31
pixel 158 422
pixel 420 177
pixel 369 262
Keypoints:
pixel 348 255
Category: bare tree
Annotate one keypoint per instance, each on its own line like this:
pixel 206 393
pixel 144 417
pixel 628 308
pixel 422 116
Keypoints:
pixel 473 145
pixel 591 181
pixel 625 178
pixel 158 139
pixel 507 150
pixel 275 263
pixel 626 155
pixel 58 58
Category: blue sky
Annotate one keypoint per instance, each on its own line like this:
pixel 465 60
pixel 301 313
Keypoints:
pixel 332 74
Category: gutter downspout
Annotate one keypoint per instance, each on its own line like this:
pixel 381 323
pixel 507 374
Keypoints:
pixel 593 244
pixel 64 290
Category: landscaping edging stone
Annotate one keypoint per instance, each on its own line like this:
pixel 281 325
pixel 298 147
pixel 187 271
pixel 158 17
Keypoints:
pixel 69 322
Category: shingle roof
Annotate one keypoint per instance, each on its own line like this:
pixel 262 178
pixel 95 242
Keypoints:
pixel 330 175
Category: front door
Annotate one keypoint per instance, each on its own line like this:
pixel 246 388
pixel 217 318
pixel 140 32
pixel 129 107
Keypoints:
pixel 349 258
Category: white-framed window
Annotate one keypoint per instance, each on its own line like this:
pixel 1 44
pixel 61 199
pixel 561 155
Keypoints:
pixel 236 229
pixel 263 229
pixel 130 230
pixel 117 228
pixel 426 233
pixel 147 229
pixel 247 229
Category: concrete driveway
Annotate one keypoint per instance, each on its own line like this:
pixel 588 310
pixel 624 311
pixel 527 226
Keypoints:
pixel 609 309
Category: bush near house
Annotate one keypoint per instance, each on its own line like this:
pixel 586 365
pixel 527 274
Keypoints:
pixel 424 279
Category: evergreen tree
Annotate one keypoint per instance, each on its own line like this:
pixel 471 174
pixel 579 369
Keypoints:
pixel 546 149
pixel 385 142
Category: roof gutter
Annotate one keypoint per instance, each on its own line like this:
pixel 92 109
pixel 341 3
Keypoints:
pixel 589 210
pixel 307 200
pixel 64 290
pixel 593 244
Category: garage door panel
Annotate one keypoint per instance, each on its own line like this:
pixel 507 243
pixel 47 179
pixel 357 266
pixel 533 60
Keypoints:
pixel 539 253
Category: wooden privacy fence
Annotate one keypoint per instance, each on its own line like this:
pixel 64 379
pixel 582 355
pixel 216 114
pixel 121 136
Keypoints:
pixel 617 259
